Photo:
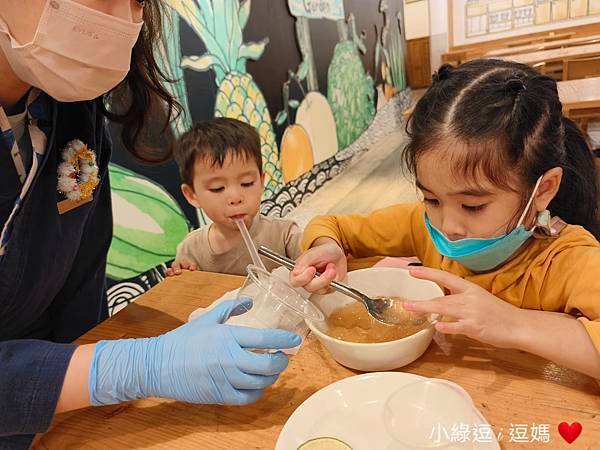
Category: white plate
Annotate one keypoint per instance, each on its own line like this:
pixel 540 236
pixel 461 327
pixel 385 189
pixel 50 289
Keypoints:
pixel 351 410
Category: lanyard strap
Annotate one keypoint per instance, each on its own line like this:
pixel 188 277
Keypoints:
pixel 5 128
pixel 38 144
pixel 38 138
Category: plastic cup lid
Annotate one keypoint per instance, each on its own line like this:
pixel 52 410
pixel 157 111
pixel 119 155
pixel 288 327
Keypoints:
pixel 285 294
pixel 423 413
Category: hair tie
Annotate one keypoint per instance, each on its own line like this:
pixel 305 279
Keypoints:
pixel 515 85
pixel 442 73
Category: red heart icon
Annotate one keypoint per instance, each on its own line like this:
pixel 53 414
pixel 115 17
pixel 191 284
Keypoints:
pixel 569 432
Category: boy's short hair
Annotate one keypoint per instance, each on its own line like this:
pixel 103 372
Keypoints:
pixel 214 140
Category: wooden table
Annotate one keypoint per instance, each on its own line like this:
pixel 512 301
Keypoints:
pixel 508 387
pixel 579 94
pixel 543 46
pixel 558 54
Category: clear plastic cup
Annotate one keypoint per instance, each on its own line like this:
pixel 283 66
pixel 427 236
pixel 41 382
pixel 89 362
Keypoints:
pixel 275 304
pixel 430 414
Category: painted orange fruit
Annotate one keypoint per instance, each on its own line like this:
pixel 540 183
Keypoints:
pixel 296 153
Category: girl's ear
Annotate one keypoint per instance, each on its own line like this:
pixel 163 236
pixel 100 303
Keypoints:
pixel 548 188
pixel 190 195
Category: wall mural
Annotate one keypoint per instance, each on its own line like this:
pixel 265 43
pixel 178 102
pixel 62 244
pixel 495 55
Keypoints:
pixel 349 89
pixel 313 137
pixel 148 224
pixel 219 25
pixel 389 56
pixel 319 131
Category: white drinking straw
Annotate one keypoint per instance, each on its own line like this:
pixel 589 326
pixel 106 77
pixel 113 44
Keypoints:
pixel 249 244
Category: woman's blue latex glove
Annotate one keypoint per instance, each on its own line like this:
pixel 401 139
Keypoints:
pixel 203 361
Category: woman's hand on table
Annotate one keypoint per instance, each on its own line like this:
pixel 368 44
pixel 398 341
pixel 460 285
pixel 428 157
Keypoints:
pixel 202 361
pixel 178 266
pixel 478 314
pixel 326 257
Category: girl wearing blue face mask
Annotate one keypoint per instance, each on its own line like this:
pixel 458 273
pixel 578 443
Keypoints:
pixel 508 221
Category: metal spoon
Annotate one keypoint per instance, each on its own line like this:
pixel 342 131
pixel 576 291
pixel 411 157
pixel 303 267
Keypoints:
pixel 382 309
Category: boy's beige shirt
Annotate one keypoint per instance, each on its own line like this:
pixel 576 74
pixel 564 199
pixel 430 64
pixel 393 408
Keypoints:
pixel 554 274
pixel 280 235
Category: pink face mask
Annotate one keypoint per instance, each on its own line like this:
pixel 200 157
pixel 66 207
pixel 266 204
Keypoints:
pixel 77 53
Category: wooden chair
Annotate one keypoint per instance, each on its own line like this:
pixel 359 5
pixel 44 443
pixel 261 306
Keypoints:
pixel 583 116
pixel 552 69
pixel 539 39
pixel 520 43
pixel 558 36
pixel 592 40
pixel 540 67
pixel 574 69
pixel 456 58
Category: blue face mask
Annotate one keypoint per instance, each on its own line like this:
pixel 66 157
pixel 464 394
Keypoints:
pixel 483 254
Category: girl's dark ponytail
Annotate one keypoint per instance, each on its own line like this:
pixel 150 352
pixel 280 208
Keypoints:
pixel 577 199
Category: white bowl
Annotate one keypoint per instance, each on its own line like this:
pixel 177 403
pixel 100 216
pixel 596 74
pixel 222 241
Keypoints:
pixel 381 356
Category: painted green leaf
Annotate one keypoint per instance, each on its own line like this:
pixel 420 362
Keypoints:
pixel 253 50
pixel 206 10
pixel 148 224
pixel 377 56
pixel 235 32
pixel 294 103
pixel 222 28
pixel 168 51
pixel 244 13
pixel 240 65
pixel 188 10
pixel 199 63
pixel 281 117
pixel 191 14
pixel 396 57
pixel 303 71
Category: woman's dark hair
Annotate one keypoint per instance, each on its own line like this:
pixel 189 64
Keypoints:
pixel 509 117
pixel 140 103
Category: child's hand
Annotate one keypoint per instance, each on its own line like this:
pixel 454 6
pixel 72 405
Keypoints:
pixel 178 266
pixel 479 314
pixel 327 258
pixel 401 263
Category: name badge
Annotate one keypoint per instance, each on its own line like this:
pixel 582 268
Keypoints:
pixel 67 205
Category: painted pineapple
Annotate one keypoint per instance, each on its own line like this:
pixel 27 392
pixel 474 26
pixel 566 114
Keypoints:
pixel 219 24
pixel 350 90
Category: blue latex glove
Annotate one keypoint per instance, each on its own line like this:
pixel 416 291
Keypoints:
pixel 203 361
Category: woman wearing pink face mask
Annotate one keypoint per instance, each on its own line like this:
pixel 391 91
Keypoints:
pixel 61 62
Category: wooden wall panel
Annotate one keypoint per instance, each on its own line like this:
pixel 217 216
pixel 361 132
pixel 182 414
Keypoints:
pixel 418 68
